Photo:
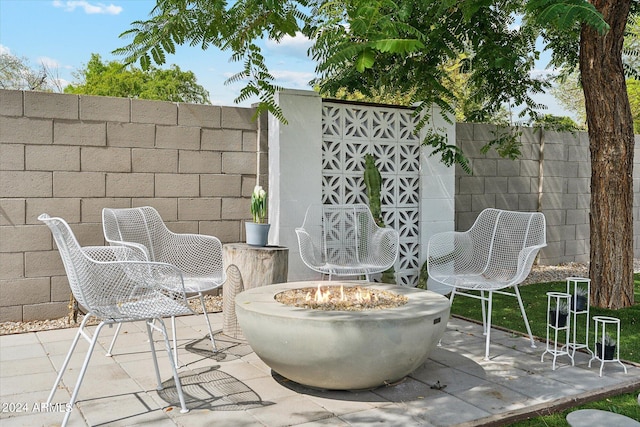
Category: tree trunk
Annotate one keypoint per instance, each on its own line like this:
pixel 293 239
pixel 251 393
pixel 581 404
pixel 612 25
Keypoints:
pixel 611 143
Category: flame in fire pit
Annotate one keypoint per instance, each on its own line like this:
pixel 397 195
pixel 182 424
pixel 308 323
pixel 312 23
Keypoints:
pixel 359 296
pixel 341 298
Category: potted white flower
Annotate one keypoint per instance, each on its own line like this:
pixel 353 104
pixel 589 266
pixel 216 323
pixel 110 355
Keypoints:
pixel 558 315
pixel 579 300
pixel 606 347
pixel 258 231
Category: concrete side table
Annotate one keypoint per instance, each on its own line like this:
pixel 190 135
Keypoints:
pixel 249 267
pixel 596 417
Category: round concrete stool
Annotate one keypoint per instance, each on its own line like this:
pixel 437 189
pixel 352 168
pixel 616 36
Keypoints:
pixel 596 417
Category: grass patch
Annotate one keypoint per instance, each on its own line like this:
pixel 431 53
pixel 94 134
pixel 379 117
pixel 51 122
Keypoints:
pixel 506 314
pixel 625 404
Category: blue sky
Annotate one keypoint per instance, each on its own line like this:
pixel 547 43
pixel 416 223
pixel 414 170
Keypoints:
pixel 64 34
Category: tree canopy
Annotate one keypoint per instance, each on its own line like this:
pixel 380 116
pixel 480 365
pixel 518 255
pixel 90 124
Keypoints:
pixel 16 73
pixel 568 91
pixel 363 45
pixel 403 45
pixel 115 79
pixel 568 88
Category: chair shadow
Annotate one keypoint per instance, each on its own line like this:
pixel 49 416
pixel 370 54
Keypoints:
pixel 228 348
pixel 209 388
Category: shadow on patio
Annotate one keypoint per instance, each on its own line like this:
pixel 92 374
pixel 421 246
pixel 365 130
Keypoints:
pixel 234 387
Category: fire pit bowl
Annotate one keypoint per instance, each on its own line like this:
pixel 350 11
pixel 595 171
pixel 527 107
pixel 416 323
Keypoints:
pixel 342 350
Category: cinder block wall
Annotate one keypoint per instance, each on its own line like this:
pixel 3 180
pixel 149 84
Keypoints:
pixel 70 156
pixel 561 191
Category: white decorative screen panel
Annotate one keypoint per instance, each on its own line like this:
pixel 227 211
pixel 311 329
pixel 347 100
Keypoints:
pixel 349 132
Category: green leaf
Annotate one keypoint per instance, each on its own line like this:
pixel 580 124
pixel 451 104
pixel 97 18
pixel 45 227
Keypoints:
pixel 398 45
pixel 565 14
pixel 365 60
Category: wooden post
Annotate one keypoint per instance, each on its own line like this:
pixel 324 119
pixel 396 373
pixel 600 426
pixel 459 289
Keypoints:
pixel 249 267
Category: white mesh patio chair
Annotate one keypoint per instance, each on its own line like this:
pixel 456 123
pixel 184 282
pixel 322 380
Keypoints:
pixel 198 256
pixel 344 240
pixel 116 285
pixel 497 252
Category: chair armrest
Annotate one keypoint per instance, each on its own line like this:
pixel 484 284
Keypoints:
pixel 194 254
pixel 123 251
pixel 526 257
pixel 309 252
pixel 126 283
pixel 142 249
pixel 157 276
pixel 384 244
pixel 145 274
pixel 449 252
pixel 138 279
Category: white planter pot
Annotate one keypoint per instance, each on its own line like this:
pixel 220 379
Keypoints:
pixel 257 234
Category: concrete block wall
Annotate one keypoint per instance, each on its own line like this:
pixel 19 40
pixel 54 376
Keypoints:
pixel 70 156
pixel 552 176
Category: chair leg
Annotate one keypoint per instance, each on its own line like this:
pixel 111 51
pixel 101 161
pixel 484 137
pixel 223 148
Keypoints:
pixel 113 340
pixel 453 294
pixel 206 317
pixel 74 343
pixel 488 325
pixel 175 341
pixel 151 325
pixel 483 300
pixel 524 316
pixel 176 378
pixel 92 343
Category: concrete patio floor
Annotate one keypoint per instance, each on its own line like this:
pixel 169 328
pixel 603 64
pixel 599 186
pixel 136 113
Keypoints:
pixel 455 387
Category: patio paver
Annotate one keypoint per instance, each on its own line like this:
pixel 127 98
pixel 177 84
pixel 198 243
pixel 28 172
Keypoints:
pixel 235 388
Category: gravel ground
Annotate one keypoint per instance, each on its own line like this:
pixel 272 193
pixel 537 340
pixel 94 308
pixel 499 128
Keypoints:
pixel 213 303
pixel 539 274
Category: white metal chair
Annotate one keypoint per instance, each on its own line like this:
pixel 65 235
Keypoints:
pixel 198 256
pixel 497 252
pixel 344 240
pixel 116 285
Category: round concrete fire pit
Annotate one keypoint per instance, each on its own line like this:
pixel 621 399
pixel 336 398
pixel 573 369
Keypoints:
pixel 342 350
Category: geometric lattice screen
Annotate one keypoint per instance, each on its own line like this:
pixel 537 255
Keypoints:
pixel 349 132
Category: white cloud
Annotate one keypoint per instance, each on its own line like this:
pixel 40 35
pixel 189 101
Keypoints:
pixel 296 45
pixel 228 75
pixel 544 73
pixel 88 7
pixel 50 63
pixel 285 78
pixel 4 50
pixel 293 79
